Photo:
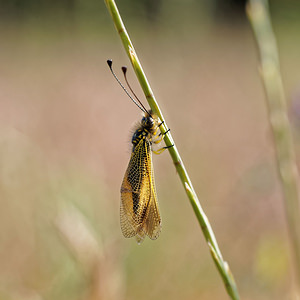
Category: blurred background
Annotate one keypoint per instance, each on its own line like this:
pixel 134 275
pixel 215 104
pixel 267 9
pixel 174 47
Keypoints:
pixel 65 130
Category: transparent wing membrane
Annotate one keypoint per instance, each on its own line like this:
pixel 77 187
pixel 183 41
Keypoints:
pixel 139 213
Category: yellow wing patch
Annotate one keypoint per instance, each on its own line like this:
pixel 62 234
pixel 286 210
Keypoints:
pixel 139 213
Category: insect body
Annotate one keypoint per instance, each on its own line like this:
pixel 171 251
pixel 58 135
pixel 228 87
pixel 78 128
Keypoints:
pixel 139 211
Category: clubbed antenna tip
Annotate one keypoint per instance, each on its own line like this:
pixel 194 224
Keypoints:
pixel 109 62
pixel 124 69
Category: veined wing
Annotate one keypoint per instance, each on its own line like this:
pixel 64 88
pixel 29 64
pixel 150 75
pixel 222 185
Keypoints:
pixel 139 211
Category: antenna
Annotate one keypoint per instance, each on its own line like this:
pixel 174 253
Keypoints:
pixel 124 69
pixel 138 104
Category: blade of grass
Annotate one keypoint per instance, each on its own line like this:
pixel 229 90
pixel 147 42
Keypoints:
pixel 258 14
pixel 222 266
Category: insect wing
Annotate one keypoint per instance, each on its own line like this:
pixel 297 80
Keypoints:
pixel 139 213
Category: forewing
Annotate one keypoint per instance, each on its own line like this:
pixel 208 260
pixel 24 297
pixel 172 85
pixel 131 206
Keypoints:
pixel 130 192
pixel 139 212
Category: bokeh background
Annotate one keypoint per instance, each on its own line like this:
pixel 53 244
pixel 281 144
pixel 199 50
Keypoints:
pixel 65 129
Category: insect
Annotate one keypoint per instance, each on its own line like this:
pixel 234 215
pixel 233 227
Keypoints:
pixel 139 211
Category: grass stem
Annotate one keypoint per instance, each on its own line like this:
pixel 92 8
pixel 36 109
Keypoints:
pixel 258 14
pixel 222 266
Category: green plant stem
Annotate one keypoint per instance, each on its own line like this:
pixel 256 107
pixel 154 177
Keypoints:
pixel 222 266
pixel 258 14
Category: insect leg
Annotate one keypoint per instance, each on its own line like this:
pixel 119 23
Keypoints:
pixel 160 137
pixel 161 150
pixel 164 133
